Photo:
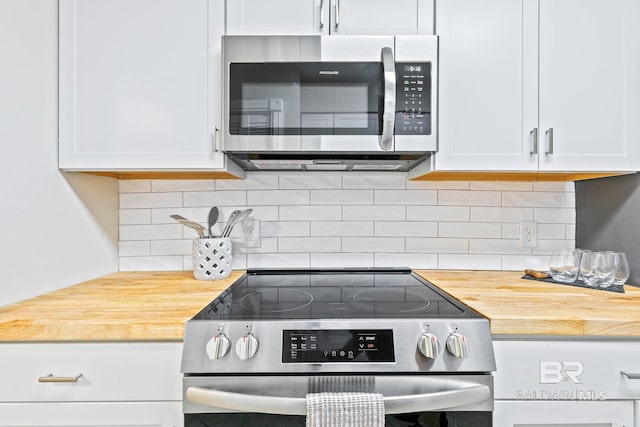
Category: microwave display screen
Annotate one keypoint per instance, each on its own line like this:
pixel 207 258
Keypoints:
pixel 316 98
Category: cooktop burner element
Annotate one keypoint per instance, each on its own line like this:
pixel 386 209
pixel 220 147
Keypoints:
pixel 322 294
pixel 329 321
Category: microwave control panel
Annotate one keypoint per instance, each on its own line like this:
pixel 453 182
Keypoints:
pixel 413 98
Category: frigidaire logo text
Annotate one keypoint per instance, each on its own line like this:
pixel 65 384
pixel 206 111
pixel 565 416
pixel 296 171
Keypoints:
pixel 554 372
pixel 329 72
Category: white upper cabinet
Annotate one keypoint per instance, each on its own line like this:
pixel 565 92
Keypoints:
pixel 300 17
pixel 538 85
pixel 140 84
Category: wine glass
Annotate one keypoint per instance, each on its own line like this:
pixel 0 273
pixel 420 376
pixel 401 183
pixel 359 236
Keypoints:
pixel 564 265
pixel 621 268
pixel 597 268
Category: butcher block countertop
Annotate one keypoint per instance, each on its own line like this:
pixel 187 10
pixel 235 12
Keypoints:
pixel 155 305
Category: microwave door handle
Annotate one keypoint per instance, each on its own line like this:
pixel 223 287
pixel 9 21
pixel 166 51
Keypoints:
pixel 389 111
pixel 451 397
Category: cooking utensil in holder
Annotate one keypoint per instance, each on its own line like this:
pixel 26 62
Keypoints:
pixel 211 258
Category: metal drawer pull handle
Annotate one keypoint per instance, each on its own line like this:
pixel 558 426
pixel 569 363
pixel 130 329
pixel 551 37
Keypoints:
pixel 534 140
pixel 549 134
pixel 631 375
pixel 437 401
pixel 51 379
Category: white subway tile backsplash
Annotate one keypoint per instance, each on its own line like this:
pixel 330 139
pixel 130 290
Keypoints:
pixel 406 229
pixel 341 197
pixel 150 200
pixel 437 213
pixel 215 198
pixel 342 229
pixel 436 245
pixel 135 216
pixel 468 198
pixel 279 260
pixel 150 232
pixel 379 180
pixel 327 260
pixel 406 197
pixel 406 260
pixel 309 244
pixel 373 213
pixel 315 181
pixel 349 220
pixel 499 214
pixel 469 262
pixel 310 213
pixel 134 186
pixel 553 215
pixel 438 185
pixel 253 181
pixel 170 185
pixel 134 248
pixel 284 229
pixel 373 244
pixel 470 229
pixel 535 199
pixel 171 247
pixel 277 197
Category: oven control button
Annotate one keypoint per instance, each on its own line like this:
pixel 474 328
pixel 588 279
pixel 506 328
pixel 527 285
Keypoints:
pixel 218 347
pixel 458 345
pixel 428 345
pixel 246 347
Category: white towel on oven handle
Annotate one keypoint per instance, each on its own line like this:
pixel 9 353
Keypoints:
pixel 345 410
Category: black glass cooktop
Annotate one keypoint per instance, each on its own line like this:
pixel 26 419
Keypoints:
pixel 333 294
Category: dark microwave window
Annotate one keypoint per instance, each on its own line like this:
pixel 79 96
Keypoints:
pixel 299 98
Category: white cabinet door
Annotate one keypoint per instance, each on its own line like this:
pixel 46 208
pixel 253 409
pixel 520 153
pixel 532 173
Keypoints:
pixel 560 414
pixel 147 414
pixel 488 84
pixel 300 17
pixel 583 84
pixel 384 17
pixel 513 70
pixel 140 84
pixel 278 17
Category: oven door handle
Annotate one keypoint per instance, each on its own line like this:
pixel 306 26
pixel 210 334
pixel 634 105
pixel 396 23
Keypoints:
pixel 436 401
pixel 389 111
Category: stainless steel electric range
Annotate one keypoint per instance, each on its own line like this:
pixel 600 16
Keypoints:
pixel 251 355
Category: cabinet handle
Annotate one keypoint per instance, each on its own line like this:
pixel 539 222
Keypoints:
pixel 337 13
pixel 534 140
pixel 321 13
pixel 631 375
pixel 51 379
pixel 215 139
pixel 549 134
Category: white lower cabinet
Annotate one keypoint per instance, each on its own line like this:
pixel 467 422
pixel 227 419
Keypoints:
pixel 572 383
pixel 91 384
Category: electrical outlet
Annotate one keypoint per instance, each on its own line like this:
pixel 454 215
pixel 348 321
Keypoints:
pixel 528 234
pixel 251 229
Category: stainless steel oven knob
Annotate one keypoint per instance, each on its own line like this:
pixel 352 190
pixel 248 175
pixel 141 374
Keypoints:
pixel 218 347
pixel 428 345
pixel 246 347
pixel 458 345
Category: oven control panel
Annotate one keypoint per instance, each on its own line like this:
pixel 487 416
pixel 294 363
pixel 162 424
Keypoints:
pixel 413 95
pixel 337 345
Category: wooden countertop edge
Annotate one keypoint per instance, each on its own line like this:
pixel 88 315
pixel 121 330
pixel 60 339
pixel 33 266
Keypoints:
pixel 27 321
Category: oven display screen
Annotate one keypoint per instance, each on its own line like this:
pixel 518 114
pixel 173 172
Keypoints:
pixel 337 345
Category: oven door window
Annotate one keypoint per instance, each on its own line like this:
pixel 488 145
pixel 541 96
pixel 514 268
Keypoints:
pixel 305 98
pixel 422 419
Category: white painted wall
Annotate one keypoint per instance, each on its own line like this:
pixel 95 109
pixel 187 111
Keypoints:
pixel 55 229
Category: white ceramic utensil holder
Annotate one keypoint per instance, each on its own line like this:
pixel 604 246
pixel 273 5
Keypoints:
pixel 211 258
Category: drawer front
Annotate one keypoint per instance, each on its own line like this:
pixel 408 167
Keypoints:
pixel 567 370
pixel 108 372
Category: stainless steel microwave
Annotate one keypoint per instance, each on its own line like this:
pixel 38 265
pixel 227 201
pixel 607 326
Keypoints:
pixel 330 102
